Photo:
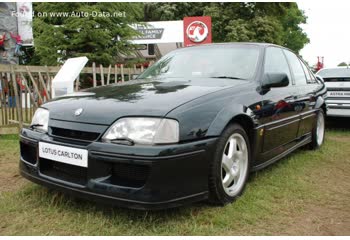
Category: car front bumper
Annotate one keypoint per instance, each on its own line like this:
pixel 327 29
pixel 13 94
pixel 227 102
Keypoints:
pixel 139 177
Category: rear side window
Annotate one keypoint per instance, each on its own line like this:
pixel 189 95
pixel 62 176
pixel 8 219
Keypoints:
pixel 309 76
pixel 275 62
pixel 297 68
pixel 335 74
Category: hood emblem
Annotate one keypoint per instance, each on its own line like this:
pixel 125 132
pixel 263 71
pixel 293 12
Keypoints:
pixel 78 112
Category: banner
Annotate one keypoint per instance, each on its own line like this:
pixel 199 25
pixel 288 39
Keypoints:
pixel 158 32
pixel 24 21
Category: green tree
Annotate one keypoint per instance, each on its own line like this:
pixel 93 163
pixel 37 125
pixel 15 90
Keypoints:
pixel 101 38
pixel 342 64
pixel 277 23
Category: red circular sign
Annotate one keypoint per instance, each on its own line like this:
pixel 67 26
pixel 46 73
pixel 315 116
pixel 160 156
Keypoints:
pixel 197 31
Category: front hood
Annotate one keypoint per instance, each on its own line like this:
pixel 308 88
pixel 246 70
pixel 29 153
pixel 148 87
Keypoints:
pixel 104 105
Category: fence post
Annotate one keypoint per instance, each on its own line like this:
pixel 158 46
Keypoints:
pixel 122 71
pixel 28 89
pixel 34 84
pixel 44 86
pixel 3 101
pixel 48 81
pixel 18 100
pixel 109 74
pixel 115 73
pixel 102 75
pixel 77 83
pixel 94 73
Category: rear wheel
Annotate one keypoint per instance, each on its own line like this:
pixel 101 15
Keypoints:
pixel 318 132
pixel 230 167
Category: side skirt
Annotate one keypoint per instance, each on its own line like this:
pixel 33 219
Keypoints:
pixel 305 140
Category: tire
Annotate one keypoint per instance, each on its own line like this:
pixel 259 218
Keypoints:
pixel 229 170
pixel 318 132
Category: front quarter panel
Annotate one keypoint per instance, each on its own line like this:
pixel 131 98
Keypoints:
pixel 209 115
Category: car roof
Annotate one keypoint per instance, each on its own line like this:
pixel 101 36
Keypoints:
pixel 237 43
pixel 339 67
pixel 228 44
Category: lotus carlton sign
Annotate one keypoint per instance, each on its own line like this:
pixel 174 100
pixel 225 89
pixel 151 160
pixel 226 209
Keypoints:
pixel 197 30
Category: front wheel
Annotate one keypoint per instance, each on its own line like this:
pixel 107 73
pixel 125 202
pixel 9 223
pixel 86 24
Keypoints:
pixel 318 131
pixel 230 167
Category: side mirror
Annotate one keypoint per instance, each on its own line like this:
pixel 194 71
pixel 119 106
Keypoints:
pixel 274 80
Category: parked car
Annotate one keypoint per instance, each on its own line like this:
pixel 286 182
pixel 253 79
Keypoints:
pixel 191 127
pixel 337 81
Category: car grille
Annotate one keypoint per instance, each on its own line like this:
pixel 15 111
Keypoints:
pixel 74 134
pixel 62 171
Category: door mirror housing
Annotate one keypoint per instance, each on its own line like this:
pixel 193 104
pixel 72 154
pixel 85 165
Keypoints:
pixel 275 80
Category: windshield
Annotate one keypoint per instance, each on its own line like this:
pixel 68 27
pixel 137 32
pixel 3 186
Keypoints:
pixel 234 62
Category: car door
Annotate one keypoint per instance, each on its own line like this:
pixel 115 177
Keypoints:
pixel 279 117
pixel 304 93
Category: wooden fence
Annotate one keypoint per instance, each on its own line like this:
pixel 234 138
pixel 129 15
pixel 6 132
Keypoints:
pixel 24 88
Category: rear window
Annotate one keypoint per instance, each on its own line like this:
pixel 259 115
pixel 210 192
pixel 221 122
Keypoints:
pixel 335 74
pixel 336 79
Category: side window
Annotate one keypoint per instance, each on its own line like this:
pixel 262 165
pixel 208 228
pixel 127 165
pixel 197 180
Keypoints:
pixel 297 68
pixel 275 62
pixel 309 77
pixel 313 78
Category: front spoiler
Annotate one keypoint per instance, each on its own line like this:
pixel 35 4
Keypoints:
pixel 114 201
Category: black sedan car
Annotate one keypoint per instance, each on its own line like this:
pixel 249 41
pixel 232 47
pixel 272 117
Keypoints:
pixel 191 127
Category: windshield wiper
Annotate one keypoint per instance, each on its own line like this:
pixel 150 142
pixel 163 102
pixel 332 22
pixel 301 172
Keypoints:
pixel 228 77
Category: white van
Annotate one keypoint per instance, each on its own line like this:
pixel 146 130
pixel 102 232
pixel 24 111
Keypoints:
pixel 337 81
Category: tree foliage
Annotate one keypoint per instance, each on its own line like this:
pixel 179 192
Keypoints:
pixel 102 39
pixel 105 39
pixel 277 23
pixel 342 64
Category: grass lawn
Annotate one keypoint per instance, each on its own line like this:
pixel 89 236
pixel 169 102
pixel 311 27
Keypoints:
pixel 306 193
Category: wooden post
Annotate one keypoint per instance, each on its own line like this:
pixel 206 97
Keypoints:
pixel 48 81
pixel 94 74
pixel 34 84
pixel 4 98
pixel 77 83
pixel 3 101
pixel 141 68
pixel 12 94
pixel 129 74
pixel 102 75
pixel 122 71
pixel 25 119
pixel 28 89
pixel 109 74
pixel 18 102
pixel 44 86
pixel 115 73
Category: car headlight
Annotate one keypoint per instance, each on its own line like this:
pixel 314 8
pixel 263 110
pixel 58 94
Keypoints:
pixel 144 130
pixel 40 120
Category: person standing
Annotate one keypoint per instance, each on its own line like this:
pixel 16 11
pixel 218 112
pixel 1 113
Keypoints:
pixel 19 43
pixel 2 44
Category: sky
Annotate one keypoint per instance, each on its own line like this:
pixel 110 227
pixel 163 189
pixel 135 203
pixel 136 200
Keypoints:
pixel 328 27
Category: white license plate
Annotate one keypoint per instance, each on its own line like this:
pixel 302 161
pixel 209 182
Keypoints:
pixel 339 94
pixel 68 155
